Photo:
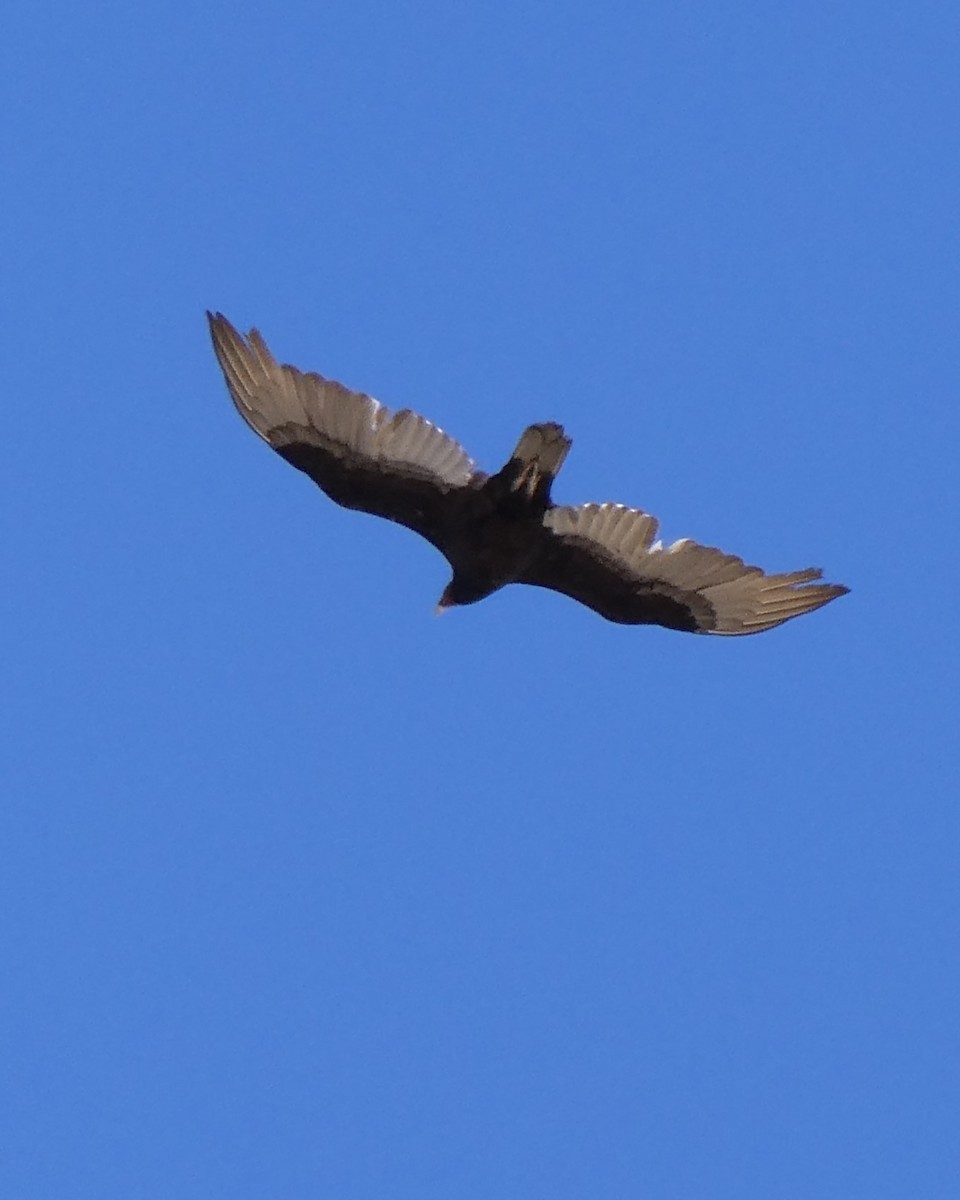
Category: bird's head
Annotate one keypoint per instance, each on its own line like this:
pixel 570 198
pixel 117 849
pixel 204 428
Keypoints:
pixel 447 600
pixel 462 590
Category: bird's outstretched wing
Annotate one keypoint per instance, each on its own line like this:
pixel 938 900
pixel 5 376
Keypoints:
pixel 392 464
pixel 604 555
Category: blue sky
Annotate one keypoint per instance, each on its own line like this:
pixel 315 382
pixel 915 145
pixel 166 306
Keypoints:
pixel 306 893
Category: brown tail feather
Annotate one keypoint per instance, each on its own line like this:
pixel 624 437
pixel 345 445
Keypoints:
pixel 537 459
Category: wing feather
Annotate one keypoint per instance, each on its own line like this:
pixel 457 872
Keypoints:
pixel 605 556
pixel 392 464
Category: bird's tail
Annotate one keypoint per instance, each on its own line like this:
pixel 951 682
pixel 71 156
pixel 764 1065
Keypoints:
pixel 536 460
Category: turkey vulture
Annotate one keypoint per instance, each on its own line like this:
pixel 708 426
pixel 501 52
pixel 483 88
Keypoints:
pixel 503 528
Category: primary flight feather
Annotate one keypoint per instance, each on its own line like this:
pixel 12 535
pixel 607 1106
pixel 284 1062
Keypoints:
pixel 502 528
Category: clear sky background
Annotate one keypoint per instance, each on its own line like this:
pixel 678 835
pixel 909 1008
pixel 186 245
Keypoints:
pixel 305 893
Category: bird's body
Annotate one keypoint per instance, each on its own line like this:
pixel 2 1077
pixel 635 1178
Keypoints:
pixel 503 528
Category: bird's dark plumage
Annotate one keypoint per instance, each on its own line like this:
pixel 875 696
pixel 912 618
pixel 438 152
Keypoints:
pixel 503 528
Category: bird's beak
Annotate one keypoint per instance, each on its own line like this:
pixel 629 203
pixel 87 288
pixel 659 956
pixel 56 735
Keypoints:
pixel 440 609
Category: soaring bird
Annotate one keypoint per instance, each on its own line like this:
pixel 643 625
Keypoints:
pixel 502 528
